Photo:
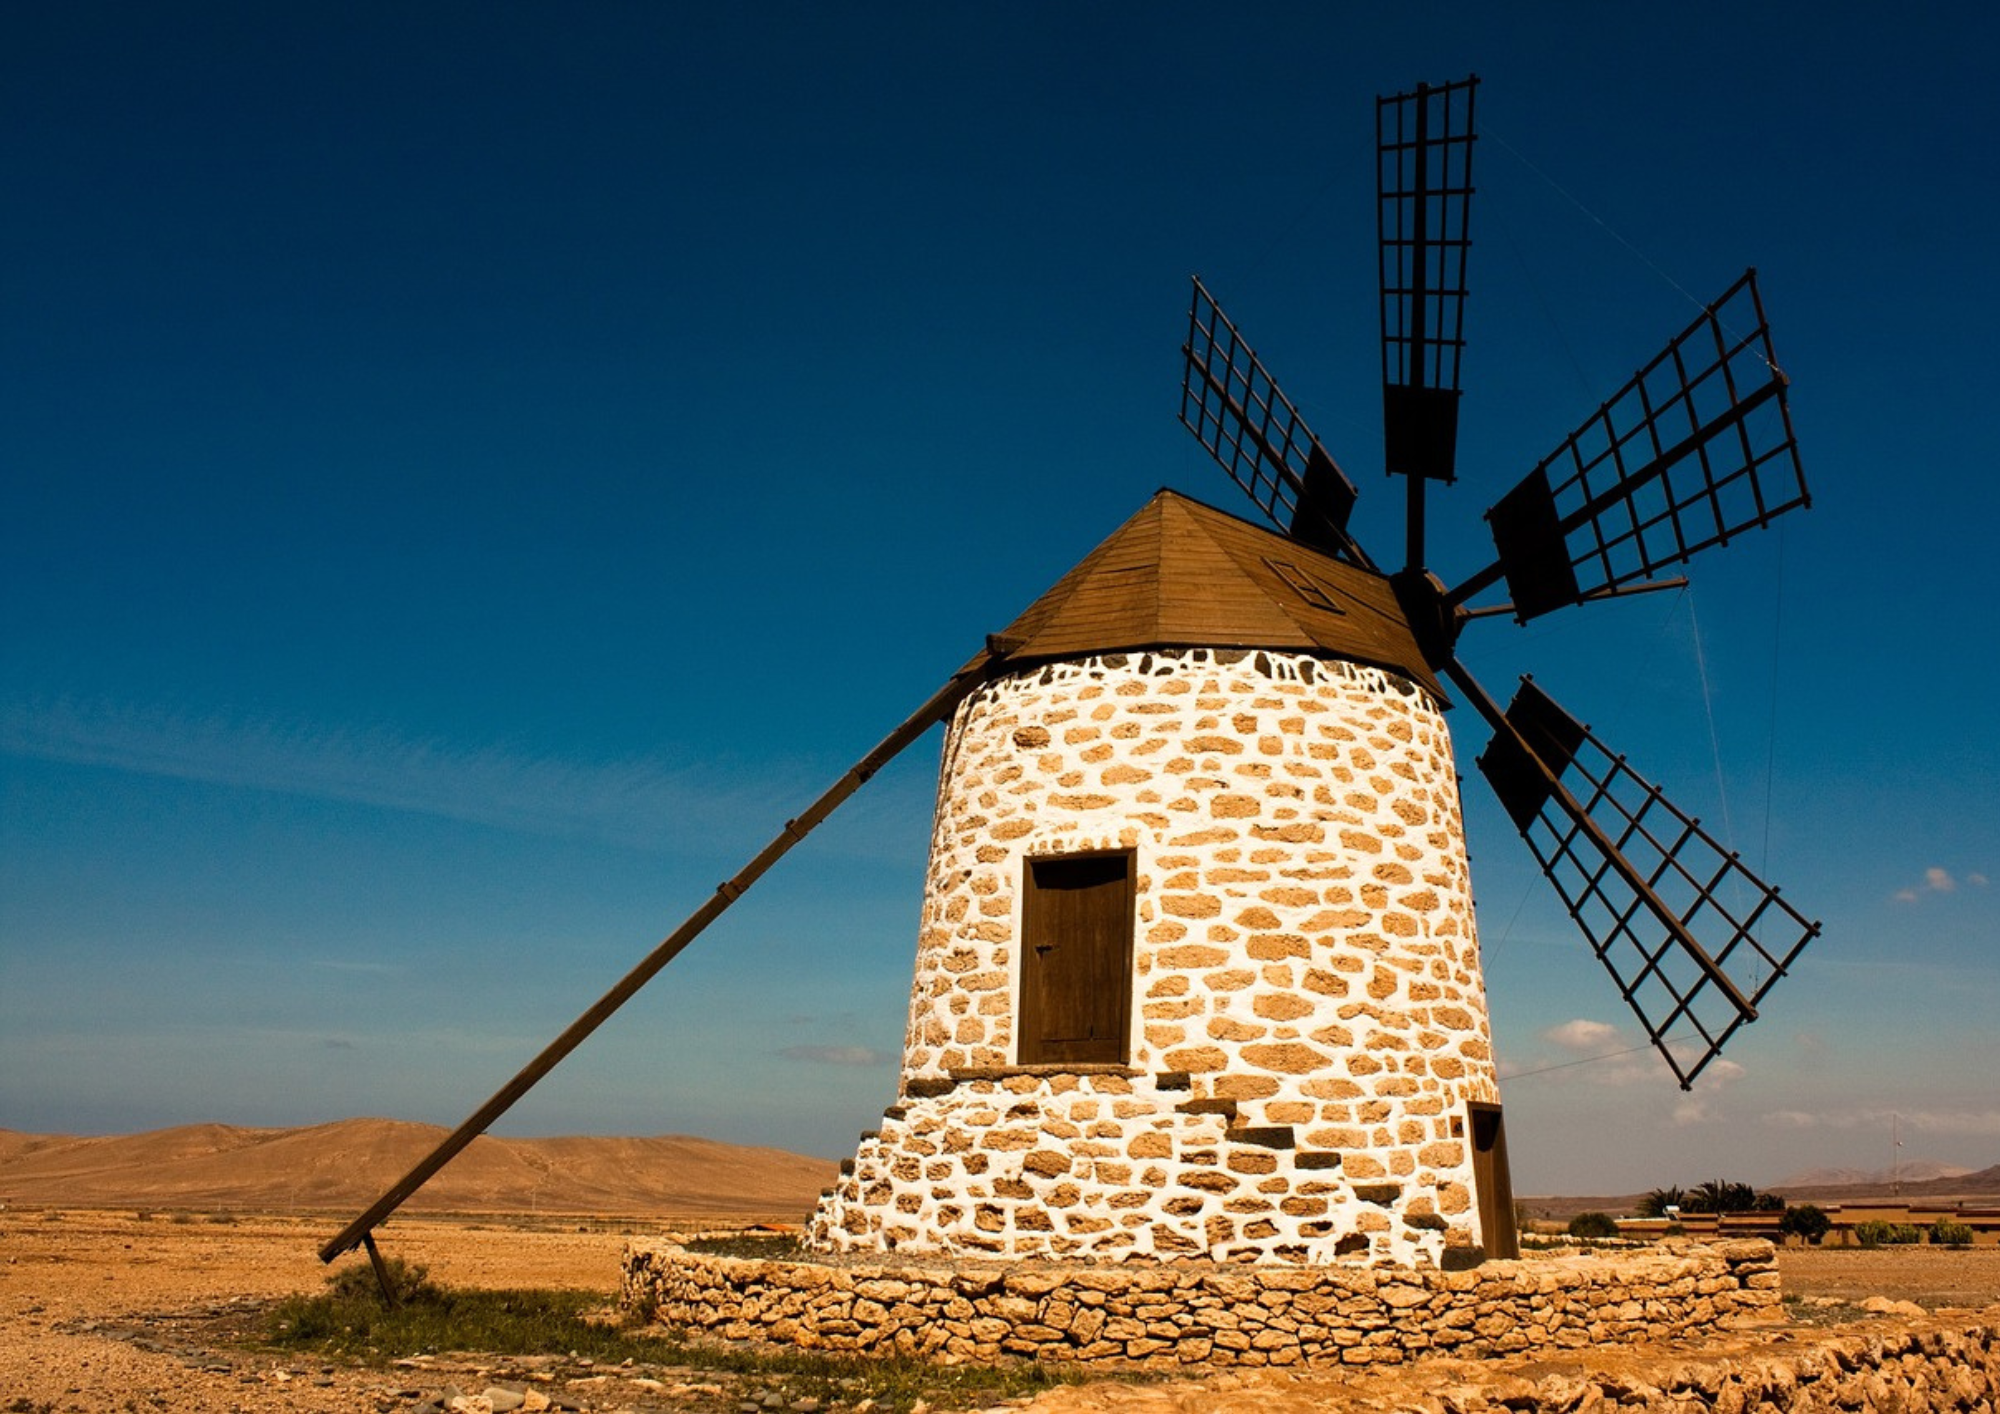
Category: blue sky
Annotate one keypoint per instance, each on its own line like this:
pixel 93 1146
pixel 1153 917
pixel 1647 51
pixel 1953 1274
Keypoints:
pixel 469 472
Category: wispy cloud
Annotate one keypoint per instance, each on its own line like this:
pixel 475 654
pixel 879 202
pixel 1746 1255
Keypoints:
pixel 1937 880
pixel 640 803
pixel 1983 1123
pixel 838 1055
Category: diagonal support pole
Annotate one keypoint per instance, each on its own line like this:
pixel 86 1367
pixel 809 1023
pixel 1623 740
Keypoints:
pixel 940 706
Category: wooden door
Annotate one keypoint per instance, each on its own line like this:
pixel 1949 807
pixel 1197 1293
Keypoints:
pixel 1495 1185
pixel 1076 959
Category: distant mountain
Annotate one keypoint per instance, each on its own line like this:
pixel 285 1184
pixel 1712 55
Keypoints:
pixel 1979 1186
pixel 1916 1171
pixel 347 1164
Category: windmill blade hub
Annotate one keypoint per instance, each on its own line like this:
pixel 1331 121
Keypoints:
pixel 1433 618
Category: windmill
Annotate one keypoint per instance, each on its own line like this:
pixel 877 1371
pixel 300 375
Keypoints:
pixel 1197 974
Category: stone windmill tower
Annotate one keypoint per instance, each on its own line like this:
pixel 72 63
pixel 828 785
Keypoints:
pixel 1197 972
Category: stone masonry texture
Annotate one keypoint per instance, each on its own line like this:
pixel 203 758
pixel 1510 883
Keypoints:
pixel 1308 1018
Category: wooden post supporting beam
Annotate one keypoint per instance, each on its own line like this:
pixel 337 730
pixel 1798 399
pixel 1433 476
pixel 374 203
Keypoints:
pixel 940 706
pixel 389 1296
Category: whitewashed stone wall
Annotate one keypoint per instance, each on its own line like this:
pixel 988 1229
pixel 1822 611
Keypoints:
pixel 1308 1020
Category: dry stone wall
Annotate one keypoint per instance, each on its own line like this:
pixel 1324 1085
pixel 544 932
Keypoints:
pixel 1308 1019
pixel 1202 1312
pixel 1943 1368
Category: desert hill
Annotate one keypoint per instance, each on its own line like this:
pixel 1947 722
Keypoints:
pixel 347 1164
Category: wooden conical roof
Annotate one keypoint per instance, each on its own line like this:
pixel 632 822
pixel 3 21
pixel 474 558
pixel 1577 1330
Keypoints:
pixel 1180 574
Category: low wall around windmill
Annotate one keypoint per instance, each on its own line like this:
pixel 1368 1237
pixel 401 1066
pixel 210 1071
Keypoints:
pixel 1236 1314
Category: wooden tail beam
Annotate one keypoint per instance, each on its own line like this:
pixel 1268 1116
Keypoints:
pixel 937 709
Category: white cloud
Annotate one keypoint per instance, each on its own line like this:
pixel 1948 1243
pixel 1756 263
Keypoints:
pixel 1937 880
pixel 1599 1056
pixel 1581 1034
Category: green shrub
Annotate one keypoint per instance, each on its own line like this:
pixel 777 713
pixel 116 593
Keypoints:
pixel 1876 1233
pixel 352 1319
pixel 1805 1221
pixel 1592 1225
pixel 1946 1233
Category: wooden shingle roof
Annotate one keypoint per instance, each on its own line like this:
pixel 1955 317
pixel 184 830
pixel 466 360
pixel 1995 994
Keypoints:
pixel 1180 574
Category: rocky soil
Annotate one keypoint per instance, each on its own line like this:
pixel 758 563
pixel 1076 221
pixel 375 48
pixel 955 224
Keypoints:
pixel 103 1310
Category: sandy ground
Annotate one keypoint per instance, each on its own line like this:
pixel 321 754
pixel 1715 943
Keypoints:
pixel 104 1311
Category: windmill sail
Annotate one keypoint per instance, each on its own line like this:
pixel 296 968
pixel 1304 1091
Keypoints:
pixel 1235 409
pixel 1697 447
pixel 1644 882
pixel 1423 195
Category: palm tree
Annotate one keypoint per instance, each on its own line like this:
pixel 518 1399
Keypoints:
pixel 1656 1203
pixel 1721 1196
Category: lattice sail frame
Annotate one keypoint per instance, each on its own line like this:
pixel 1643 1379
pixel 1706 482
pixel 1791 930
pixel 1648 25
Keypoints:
pixel 1423 201
pixel 1695 448
pixel 1644 882
pixel 1234 408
